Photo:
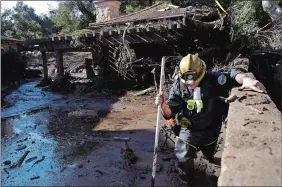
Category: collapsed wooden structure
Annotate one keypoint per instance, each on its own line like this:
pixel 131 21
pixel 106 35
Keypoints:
pixel 159 24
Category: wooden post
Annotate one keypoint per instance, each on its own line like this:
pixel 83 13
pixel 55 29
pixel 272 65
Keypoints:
pixel 45 68
pixel 60 64
pixel 97 63
pixel 89 69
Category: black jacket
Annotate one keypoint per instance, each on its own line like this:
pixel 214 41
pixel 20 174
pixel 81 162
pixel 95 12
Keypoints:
pixel 213 85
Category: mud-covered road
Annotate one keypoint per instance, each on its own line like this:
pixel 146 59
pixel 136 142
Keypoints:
pixel 69 140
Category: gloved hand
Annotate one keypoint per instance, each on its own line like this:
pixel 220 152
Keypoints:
pixel 159 99
pixel 253 84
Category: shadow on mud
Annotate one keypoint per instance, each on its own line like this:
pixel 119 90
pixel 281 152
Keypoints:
pixel 267 67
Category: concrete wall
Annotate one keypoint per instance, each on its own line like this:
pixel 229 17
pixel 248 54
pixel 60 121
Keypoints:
pixel 252 150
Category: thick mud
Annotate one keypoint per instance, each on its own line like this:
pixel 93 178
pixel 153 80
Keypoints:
pixel 77 139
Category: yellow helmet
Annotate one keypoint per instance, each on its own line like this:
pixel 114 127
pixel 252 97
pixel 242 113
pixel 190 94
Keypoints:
pixel 192 69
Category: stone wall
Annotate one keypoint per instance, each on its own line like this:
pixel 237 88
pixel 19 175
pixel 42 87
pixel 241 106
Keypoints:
pixel 252 150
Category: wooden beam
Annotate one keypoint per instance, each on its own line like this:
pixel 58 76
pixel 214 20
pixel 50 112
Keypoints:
pixel 89 35
pixel 120 31
pixel 115 40
pixel 111 43
pixel 162 28
pixel 68 37
pixel 150 29
pixel 139 29
pixel 171 26
pixel 55 38
pixel 112 33
pixel 140 37
pixel 104 33
pixel 131 30
pixel 60 63
pixel 179 25
pixel 45 68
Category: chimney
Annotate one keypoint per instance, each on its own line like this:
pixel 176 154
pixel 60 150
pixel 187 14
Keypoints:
pixel 106 10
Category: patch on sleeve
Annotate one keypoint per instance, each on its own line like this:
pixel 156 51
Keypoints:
pixel 221 79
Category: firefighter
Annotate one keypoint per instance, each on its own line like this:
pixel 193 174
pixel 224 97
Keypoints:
pixel 194 104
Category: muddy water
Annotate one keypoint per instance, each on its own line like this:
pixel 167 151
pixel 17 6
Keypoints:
pixel 71 141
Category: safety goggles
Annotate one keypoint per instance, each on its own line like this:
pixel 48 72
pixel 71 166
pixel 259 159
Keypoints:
pixel 189 77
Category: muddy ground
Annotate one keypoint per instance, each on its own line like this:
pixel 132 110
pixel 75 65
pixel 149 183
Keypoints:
pixel 70 140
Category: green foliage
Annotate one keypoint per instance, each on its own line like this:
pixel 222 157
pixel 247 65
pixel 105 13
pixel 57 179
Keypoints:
pixel 65 18
pixel 23 23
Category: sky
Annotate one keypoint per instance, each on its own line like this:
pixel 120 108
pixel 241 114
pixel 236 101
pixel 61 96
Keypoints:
pixel 39 6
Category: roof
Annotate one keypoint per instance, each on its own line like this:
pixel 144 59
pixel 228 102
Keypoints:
pixel 157 11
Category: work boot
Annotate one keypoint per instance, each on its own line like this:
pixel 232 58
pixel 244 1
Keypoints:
pixel 186 172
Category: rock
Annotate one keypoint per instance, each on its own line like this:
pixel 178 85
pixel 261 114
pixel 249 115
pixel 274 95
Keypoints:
pixel 7 162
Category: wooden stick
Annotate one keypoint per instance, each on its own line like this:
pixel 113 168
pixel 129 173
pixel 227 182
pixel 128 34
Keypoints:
pixel 19 164
pixel 157 128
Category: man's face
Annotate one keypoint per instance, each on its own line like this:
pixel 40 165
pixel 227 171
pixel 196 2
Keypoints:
pixel 192 86
pixel 189 79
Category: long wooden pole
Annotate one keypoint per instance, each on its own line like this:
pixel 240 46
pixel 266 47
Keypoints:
pixel 157 127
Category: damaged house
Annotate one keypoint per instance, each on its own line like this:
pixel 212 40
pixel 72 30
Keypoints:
pixel 130 46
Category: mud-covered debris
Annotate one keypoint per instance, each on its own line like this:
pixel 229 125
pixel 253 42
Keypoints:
pixel 6 171
pixel 50 172
pixel 253 121
pixel 80 166
pixel 33 178
pixel 148 168
pixel 21 148
pixel 100 172
pixel 83 114
pixel 121 139
pixel 38 161
pixel 19 164
pixel 7 162
pixel 128 155
pixel 19 141
pixel 63 169
pixel 167 157
pixel 31 159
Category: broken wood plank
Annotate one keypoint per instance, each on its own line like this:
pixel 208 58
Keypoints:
pixel 31 159
pixel 145 91
pixel 19 163
pixel 33 178
pixel 38 161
